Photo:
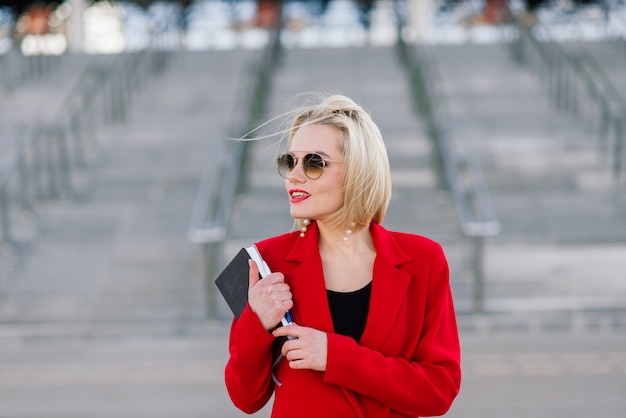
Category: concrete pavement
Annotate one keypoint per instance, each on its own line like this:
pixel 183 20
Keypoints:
pixel 517 374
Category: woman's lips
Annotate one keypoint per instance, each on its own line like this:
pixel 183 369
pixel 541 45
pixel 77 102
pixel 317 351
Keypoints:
pixel 296 196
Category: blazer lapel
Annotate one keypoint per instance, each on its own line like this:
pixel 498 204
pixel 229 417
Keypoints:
pixel 389 287
pixel 307 283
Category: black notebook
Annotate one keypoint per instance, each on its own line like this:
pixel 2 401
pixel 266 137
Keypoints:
pixel 233 281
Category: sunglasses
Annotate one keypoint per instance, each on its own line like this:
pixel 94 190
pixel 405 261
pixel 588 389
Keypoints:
pixel 313 164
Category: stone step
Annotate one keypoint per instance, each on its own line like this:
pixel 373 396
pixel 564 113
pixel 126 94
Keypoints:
pixel 41 99
pixel 120 250
pixel 610 56
pixel 547 176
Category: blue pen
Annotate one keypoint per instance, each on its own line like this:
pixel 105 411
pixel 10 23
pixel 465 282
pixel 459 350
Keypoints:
pixel 287 320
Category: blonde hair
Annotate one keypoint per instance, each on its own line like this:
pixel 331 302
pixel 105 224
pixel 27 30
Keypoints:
pixel 367 176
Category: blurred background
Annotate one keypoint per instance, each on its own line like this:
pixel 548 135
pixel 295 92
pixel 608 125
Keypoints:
pixel 122 197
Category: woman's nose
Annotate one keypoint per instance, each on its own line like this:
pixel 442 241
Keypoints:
pixel 296 173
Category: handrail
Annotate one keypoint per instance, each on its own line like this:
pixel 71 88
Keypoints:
pixel 16 68
pixel 575 81
pixel 15 143
pixel 49 156
pixel 462 170
pixel 613 111
pixel 210 218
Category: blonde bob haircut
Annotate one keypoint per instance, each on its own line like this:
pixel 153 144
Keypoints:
pixel 367 176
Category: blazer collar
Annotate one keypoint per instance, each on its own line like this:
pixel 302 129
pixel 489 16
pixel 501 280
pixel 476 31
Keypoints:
pixel 307 282
pixel 389 285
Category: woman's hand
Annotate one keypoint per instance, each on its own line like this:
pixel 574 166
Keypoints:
pixel 308 350
pixel 269 298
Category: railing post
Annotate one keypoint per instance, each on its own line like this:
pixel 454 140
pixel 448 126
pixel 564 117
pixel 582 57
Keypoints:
pixel 212 256
pixel 25 186
pixel 106 98
pixel 65 166
pixel 518 49
pixel 5 223
pixel 477 261
pixel 90 109
pixel 38 166
pixel 76 129
pixel 53 189
pixel 560 87
pixel 120 95
pixel 618 148
pixel 603 125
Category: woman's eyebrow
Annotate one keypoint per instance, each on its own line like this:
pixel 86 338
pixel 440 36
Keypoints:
pixel 322 153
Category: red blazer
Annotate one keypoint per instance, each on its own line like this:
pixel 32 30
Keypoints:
pixel 407 362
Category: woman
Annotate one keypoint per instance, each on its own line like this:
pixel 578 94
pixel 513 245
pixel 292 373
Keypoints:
pixel 374 331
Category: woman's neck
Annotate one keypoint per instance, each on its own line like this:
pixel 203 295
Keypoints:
pixel 348 264
pixel 339 241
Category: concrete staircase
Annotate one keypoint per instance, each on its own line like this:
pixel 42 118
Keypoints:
pixel 120 253
pixel 551 186
pixel 38 100
pixel 118 260
pixel 611 56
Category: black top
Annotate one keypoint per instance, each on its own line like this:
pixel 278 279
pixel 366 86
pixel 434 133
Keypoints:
pixel 349 310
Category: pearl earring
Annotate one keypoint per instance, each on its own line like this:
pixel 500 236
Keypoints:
pixel 305 222
pixel 348 232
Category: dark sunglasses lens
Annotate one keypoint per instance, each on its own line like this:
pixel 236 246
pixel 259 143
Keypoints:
pixel 285 163
pixel 314 165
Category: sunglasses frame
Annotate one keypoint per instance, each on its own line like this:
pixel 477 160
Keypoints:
pixel 305 167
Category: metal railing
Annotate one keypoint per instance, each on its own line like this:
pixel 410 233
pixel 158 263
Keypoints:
pixel 210 218
pixel 611 114
pixel 16 68
pixel 577 84
pixel 460 168
pixel 46 160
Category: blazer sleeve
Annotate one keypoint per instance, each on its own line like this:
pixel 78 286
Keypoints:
pixel 248 371
pixel 423 383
